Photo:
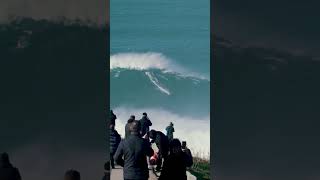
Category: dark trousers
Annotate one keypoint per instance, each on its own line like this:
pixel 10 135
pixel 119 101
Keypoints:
pixel 159 161
pixel 112 160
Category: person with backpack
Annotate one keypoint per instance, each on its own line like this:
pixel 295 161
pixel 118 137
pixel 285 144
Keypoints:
pixel 115 139
pixel 7 171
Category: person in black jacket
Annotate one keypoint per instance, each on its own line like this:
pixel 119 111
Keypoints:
pixel 7 171
pixel 127 130
pixel 162 143
pixel 131 154
pixel 115 139
pixel 145 124
pixel 174 166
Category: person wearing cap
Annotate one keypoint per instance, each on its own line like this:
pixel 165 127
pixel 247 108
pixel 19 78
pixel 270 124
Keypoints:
pixel 170 131
pixel 127 130
pixel 145 124
pixel 132 152
pixel 7 171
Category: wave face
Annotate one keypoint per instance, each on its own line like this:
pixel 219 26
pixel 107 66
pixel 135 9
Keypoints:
pixel 153 83
pixel 152 80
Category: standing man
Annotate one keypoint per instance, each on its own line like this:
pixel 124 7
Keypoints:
pixel 170 131
pixel 145 124
pixel 134 151
pixel 127 127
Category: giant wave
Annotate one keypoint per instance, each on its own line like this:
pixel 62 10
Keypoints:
pixel 153 83
pixel 151 80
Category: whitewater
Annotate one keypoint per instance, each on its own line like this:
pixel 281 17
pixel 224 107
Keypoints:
pixel 167 91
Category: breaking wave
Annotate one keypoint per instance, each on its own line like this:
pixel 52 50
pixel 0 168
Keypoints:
pixel 195 131
pixel 150 61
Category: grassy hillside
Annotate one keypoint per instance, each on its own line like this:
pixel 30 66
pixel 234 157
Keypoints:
pixel 200 168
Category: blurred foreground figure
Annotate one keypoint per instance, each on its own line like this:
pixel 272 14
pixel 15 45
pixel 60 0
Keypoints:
pixel 72 175
pixel 7 171
pixel 115 139
pixel 134 150
pixel 106 171
pixel 175 165
pixel 113 118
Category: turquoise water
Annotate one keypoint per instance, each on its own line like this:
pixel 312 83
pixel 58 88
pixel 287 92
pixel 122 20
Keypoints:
pixel 178 31
pixel 160 64
pixel 177 28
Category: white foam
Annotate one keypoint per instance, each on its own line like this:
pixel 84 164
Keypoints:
pixel 148 61
pixel 156 82
pixel 195 131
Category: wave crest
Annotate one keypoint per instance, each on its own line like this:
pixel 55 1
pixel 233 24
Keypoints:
pixel 148 61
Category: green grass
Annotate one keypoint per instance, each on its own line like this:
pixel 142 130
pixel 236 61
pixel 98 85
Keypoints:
pixel 200 168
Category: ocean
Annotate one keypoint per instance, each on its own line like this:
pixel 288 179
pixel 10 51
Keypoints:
pixel 160 64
